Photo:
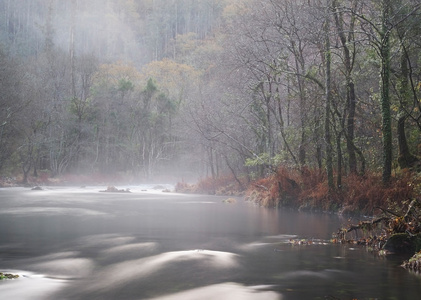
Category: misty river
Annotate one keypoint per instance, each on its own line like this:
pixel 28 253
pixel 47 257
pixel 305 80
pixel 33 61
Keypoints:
pixel 78 243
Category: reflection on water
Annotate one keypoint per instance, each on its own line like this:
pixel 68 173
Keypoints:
pixel 81 244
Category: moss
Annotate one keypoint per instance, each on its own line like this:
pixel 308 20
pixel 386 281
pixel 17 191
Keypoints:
pixel 8 276
pixel 414 263
pixel 403 243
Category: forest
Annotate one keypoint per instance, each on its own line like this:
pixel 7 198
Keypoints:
pixel 328 91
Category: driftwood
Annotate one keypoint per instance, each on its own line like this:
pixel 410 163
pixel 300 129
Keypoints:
pixel 411 209
pixel 401 232
pixel 363 225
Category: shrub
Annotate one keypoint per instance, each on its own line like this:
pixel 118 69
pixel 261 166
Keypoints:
pixel 308 189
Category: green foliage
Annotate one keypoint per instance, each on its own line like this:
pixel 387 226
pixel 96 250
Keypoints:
pixel 125 85
pixel 8 276
pixel 150 88
pixel 263 159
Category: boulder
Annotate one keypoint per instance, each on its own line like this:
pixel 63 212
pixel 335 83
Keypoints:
pixel 400 243
pixel 113 189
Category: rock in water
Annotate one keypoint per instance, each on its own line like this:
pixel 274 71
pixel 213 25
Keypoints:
pixel 414 263
pixel 403 243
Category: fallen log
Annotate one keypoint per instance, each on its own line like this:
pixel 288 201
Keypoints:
pixel 363 225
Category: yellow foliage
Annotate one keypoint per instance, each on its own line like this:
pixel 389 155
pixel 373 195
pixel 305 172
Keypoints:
pixel 236 8
pixel 395 108
pixel 171 76
pixel 169 69
pixel 186 43
pixel 113 73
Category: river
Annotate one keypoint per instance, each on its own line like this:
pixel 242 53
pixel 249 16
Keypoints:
pixel 78 243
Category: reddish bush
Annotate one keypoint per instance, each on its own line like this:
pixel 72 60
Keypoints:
pixel 368 195
pixel 280 189
pixel 308 189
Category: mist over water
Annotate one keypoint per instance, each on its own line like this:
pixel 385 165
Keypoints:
pixel 74 243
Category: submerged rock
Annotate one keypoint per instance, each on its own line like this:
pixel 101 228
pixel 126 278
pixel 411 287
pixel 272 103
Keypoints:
pixel 37 188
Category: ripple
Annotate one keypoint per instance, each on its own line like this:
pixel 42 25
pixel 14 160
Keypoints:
pixel 120 274
pixel 223 291
pixel 67 268
pixel 51 211
pixel 105 240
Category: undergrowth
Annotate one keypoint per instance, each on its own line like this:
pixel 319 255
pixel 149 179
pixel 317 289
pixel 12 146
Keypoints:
pixel 307 189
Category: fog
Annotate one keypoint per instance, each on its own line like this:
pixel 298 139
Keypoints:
pixel 101 29
pixel 104 88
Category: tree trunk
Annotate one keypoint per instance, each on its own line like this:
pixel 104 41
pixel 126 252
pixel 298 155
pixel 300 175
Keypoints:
pixel 328 95
pixel 299 65
pixel 351 99
pixel 339 162
pixel 350 127
pixel 405 159
pixel 385 97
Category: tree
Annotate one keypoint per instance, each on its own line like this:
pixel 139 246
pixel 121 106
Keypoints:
pixel 349 53
pixel 380 37
pixel 11 105
pixel 384 51
pixel 328 95
pixel 406 32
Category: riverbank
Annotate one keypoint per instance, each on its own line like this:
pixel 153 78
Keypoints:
pixel 395 209
pixel 308 190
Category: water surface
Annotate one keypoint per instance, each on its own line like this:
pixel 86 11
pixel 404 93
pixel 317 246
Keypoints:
pixel 78 243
